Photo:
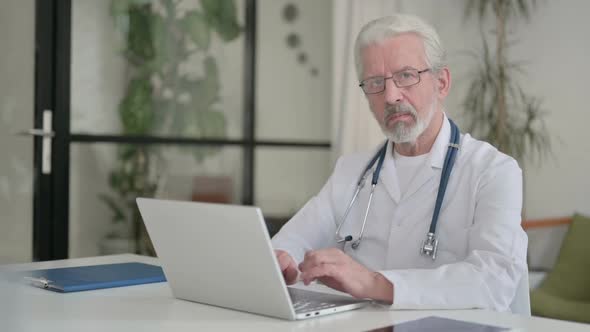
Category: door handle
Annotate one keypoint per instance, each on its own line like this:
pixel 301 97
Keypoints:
pixel 47 135
pixel 36 132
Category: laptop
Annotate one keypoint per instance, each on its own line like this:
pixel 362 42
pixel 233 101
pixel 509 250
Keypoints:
pixel 221 255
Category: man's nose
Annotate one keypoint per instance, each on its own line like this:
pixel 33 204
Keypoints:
pixel 393 94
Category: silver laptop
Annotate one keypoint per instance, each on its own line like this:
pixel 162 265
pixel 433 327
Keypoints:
pixel 221 255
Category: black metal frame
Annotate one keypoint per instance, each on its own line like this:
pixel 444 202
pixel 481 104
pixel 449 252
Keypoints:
pixel 53 92
pixel 249 102
pixel 84 138
pixel 61 126
pixel 44 77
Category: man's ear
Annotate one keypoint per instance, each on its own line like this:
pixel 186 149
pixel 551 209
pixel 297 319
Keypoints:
pixel 443 82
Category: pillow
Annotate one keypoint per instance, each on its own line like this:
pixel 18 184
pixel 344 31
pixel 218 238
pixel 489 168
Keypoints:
pixel 570 278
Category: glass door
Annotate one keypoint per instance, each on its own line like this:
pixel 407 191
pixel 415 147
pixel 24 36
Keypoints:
pixel 156 110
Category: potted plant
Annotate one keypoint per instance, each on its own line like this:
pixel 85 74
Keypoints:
pixel 497 108
pixel 163 97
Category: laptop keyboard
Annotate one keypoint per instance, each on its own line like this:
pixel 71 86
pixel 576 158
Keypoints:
pixel 304 301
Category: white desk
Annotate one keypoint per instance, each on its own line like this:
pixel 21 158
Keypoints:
pixel 151 307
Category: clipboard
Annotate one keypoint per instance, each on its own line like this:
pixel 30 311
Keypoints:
pixel 84 278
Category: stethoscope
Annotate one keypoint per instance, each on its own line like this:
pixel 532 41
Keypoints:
pixel 430 244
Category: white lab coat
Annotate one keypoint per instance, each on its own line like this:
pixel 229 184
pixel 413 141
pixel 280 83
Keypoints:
pixel 482 247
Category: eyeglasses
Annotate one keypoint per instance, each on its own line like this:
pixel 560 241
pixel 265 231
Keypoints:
pixel 402 79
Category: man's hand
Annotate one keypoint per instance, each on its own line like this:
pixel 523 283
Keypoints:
pixel 288 266
pixel 337 270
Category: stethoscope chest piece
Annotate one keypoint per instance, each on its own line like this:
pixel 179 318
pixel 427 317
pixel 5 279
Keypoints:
pixel 429 246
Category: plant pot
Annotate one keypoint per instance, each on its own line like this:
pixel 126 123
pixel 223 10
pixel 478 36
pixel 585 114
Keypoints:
pixel 212 189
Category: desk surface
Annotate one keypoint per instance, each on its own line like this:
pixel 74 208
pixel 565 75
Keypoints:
pixel 152 307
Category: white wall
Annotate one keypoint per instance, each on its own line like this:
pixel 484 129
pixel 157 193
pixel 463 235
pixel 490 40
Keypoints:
pixel 556 41
pixel 17 34
pixel 291 104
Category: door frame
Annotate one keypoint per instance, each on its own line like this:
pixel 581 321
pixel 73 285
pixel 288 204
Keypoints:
pixel 52 89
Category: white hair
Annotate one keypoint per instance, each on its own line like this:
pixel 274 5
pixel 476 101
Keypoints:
pixel 387 27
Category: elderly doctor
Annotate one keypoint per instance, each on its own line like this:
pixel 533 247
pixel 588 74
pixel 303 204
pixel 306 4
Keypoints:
pixel 474 256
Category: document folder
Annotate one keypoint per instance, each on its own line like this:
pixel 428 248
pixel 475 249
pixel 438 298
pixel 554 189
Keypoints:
pixel 83 278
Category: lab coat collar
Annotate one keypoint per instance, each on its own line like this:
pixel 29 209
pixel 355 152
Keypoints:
pixel 441 144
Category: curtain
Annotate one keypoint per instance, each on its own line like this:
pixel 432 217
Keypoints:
pixel 353 126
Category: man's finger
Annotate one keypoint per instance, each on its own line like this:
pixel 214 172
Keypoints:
pixel 287 266
pixel 284 259
pixel 323 256
pixel 290 274
pixel 324 270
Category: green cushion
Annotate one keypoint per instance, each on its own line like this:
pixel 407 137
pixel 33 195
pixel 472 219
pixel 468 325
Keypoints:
pixel 565 292
pixel 547 305
pixel 570 278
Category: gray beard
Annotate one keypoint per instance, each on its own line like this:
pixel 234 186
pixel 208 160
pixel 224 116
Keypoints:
pixel 401 131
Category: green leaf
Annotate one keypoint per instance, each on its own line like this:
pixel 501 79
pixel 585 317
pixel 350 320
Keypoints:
pixel 204 92
pixel 118 7
pixel 221 15
pixel 169 45
pixel 163 110
pixel 127 152
pixel 210 66
pixel 159 36
pixel 118 10
pixel 229 31
pixel 140 44
pixel 212 123
pixel 181 120
pixel 211 83
pixel 507 8
pixel 197 28
pixel 114 180
pixel 136 109
pixel 203 120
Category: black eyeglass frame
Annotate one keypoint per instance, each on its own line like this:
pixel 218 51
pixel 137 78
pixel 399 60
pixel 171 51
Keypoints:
pixel 362 83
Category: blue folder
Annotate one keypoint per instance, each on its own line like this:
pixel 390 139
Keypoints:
pixel 83 278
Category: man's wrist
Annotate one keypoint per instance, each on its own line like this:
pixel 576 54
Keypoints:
pixel 381 289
